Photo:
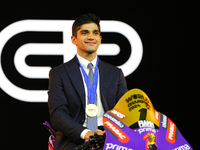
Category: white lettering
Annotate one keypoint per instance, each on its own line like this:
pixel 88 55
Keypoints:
pixel 109 145
pixel 164 122
pixel 182 147
pixel 156 114
pixel 116 147
pixel 146 123
pixel 141 130
pixel 59 49
pixel 118 114
pixel 171 131
pixel 118 123
pixel 115 130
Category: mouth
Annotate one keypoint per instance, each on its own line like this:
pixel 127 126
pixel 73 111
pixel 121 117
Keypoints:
pixel 90 43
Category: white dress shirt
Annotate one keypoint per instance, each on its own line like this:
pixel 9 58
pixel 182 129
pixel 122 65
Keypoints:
pixel 84 64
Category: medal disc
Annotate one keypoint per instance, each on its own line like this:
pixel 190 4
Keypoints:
pixel 91 110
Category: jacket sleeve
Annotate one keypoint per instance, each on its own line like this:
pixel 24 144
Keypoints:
pixel 122 86
pixel 58 103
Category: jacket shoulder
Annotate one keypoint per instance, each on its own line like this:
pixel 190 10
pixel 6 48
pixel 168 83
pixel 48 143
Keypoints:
pixel 108 66
pixel 66 64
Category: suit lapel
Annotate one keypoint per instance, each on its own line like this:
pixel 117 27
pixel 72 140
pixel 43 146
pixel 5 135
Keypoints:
pixel 74 73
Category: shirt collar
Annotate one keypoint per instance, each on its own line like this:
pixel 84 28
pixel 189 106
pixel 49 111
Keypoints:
pixel 84 62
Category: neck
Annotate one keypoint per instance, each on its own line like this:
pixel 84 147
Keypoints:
pixel 88 56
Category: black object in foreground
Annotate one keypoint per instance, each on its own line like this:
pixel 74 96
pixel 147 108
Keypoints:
pixel 96 142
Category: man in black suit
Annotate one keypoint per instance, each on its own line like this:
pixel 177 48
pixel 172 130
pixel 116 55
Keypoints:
pixel 69 91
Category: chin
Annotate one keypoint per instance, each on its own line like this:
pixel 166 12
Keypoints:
pixel 91 51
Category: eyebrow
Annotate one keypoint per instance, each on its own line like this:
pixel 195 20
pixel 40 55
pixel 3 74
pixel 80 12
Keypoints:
pixel 88 30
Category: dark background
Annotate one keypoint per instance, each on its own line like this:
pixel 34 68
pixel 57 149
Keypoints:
pixel 168 72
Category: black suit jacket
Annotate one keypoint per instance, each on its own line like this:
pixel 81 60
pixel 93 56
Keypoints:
pixel 67 99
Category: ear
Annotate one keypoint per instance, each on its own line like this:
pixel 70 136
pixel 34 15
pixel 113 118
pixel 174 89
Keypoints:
pixel 73 39
pixel 100 39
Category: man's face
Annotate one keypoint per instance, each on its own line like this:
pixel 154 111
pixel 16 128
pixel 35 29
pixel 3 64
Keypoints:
pixel 88 39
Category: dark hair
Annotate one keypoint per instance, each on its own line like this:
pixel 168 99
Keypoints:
pixel 84 19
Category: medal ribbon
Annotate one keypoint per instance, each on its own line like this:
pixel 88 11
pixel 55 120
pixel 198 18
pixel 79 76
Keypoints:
pixel 90 90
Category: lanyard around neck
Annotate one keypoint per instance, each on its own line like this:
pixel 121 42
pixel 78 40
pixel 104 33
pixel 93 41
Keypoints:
pixel 91 90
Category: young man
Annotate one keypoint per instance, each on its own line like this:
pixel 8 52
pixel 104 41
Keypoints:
pixel 72 95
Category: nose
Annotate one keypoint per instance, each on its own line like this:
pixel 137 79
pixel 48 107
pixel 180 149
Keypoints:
pixel 90 36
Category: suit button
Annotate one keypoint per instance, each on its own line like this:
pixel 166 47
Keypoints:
pixel 82 121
